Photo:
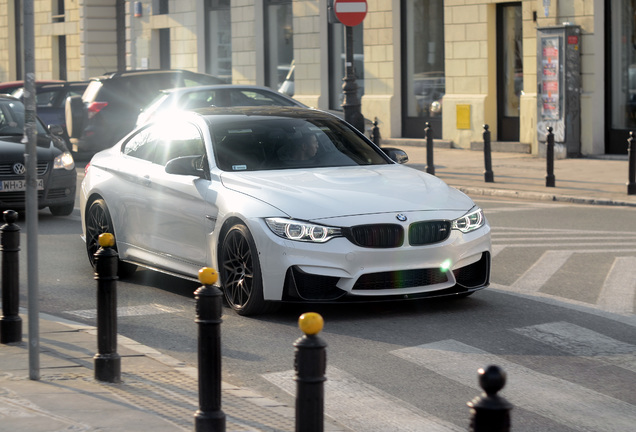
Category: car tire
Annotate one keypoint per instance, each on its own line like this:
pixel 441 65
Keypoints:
pixel 240 272
pixel 98 221
pixel 75 115
pixel 62 210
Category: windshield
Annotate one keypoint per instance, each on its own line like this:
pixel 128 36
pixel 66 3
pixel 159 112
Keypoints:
pixel 268 143
pixel 12 119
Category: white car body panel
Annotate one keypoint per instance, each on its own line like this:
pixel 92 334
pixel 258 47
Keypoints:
pixel 341 191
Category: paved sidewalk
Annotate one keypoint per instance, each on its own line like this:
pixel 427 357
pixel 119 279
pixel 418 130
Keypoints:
pixel 157 393
pixel 518 175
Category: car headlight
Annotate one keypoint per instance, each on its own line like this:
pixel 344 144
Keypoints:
pixel 302 231
pixel 470 221
pixel 65 160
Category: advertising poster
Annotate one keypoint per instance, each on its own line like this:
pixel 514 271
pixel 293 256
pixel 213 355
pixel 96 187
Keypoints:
pixel 550 95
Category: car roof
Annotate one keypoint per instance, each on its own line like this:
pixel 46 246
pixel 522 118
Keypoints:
pixel 12 85
pixel 214 114
pixel 220 87
pixel 9 97
pixel 111 75
pixel 63 84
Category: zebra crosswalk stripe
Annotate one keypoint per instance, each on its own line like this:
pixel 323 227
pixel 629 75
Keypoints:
pixel 537 275
pixel 582 342
pixel 562 401
pixel 617 293
pixel 362 407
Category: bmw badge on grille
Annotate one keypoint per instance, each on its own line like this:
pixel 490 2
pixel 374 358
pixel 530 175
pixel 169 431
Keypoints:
pixel 401 217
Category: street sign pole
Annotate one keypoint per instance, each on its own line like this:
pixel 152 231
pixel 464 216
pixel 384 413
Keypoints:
pixel 31 162
pixel 351 13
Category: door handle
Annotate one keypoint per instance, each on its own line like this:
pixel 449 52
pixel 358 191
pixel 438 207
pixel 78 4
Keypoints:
pixel 145 181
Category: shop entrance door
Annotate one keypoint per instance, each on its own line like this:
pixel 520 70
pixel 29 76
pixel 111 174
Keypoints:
pixel 509 70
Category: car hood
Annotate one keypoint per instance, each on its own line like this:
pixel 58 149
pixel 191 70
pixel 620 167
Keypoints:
pixel 345 191
pixel 12 148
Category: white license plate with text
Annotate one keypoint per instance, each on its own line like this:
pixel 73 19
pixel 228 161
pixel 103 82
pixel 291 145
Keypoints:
pixel 18 185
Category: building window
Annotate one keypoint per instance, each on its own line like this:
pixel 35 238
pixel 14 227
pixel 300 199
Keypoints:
pixel 61 55
pixel 58 11
pixel 160 7
pixel 279 41
pixel 164 48
pixel 219 39
pixel 337 63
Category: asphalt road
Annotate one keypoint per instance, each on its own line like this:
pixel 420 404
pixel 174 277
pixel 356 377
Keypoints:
pixel 559 318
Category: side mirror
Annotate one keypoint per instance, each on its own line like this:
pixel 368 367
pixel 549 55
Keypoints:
pixel 55 129
pixel 396 154
pixel 187 165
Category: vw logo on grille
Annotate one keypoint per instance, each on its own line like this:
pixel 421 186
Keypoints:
pixel 19 168
pixel 401 217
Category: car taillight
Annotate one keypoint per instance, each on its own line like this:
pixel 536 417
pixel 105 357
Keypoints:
pixel 95 107
pixel 86 168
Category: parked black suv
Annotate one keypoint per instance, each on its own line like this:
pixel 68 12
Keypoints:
pixel 109 107
pixel 50 100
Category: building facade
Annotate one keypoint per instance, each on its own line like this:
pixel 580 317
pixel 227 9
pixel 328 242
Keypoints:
pixel 454 64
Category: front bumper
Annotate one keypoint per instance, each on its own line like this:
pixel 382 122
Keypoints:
pixel 341 271
pixel 59 189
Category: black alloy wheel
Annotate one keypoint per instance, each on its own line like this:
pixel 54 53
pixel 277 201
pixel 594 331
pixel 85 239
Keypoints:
pixel 241 272
pixel 98 222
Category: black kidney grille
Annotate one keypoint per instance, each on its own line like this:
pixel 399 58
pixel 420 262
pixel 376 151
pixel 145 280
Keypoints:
pixel 377 236
pixel 423 233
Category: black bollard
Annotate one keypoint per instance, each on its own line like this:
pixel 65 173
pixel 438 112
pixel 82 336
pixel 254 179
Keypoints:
pixel 489 176
pixel 10 322
pixel 631 156
pixel 549 178
pixel 489 411
pixel 107 361
pixel 310 363
pixel 430 166
pixel 375 133
pixel 209 417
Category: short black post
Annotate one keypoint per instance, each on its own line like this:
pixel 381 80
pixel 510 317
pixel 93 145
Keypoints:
pixel 310 363
pixel 631 155
pixel 549 178
pixel 375 133
pixel 107 361
pixel 10 322
pixel 489 176
pixel 489 411
pixel 209 417
pixel 430 166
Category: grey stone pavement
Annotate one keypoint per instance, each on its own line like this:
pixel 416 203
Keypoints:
pixel 158 393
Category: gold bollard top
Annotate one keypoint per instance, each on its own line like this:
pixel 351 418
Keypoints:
pixel 208 276
pixel 311 323
pixel 106 240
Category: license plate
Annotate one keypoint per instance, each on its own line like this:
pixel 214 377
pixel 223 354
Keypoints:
pixel 18 185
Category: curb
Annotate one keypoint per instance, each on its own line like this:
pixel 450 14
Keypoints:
pixel 541 196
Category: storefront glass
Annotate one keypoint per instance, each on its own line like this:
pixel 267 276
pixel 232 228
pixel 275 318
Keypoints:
pixel 423 60
pixel 219 31
pixel 279 43
pixel 623 67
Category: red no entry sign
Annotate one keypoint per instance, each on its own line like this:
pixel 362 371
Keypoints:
pixel 350 12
